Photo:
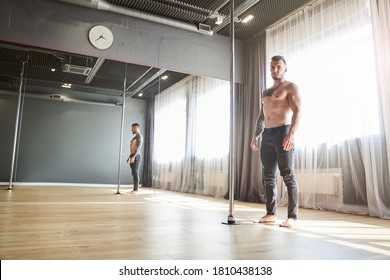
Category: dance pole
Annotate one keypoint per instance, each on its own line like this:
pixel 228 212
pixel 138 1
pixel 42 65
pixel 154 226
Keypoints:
pixel 121 134
pixel 231 220
pixel 17 130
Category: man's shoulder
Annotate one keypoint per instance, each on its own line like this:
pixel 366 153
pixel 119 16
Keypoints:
pixel 291 87
pixel 291 84
pixel 138 136
pixel 286 83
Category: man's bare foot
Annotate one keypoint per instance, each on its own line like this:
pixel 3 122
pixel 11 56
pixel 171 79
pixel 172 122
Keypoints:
pixel 132 192
pixel 289 223
pixel 266 219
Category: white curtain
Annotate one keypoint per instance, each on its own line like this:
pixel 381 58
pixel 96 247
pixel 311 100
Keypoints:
pixel 341 156
pixel 379 189
pixel 191 141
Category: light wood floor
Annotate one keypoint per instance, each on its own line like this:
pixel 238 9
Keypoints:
pixel 98 224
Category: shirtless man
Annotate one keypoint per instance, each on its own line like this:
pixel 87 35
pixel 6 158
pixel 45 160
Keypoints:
pixel 276 125
pixel 135 157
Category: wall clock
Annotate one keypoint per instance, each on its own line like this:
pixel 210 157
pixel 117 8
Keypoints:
pixel 100 37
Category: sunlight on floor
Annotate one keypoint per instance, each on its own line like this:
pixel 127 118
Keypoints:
pixel 350 234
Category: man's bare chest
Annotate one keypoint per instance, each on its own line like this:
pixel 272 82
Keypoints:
pixel 275 93
pixel 274 97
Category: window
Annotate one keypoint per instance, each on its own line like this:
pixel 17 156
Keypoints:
pixel 192 136
pixel 170 127
pixel 329 51
pixel 212 123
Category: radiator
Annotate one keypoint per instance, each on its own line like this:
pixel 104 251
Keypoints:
pixel 164 179
pixel 319 181
pixel 215 183
pixel 215 179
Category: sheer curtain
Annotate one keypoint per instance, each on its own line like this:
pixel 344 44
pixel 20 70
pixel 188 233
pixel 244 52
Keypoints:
pixel 191 146
pixel 342 153
pixel 379 189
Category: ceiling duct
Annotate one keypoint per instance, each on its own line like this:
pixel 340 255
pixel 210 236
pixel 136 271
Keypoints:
pixel 105 6
pixel 76 69
pixel 150 82
pixel 58 98
pixel 94 70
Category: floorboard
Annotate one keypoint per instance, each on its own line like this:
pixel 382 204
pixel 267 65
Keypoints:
pixel 88 223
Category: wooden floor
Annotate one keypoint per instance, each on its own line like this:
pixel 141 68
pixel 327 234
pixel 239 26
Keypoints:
pixel 95 223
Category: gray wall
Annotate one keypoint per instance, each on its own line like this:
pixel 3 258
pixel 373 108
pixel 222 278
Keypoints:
pixel 65 142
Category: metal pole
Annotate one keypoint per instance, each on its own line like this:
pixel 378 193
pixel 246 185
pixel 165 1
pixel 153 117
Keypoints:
pixel 121 134
pixel 231 220
pixel 16 135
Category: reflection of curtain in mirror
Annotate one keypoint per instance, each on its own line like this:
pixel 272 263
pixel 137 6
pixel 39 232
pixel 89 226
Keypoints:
pixel 329 50
pixel 191 141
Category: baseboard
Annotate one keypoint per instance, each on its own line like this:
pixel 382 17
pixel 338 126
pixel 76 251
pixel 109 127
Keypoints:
pixel 53 184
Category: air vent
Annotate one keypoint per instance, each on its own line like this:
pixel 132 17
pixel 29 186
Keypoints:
pixel 205 28
pixel 76 69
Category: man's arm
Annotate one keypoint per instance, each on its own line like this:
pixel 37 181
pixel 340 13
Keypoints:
pixel 258 130
pixel 139 141
pixel 294 101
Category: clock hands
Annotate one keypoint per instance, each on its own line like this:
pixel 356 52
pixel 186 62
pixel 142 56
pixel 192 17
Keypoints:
pixel 100 37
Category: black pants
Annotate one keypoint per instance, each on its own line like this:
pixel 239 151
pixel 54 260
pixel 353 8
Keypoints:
pixel 273 156
pixel 135 171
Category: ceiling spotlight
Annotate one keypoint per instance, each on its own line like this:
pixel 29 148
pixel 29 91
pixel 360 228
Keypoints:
pixel 164 77
pixel 218 20
pixel 52 69
pixel 140 94
pixel 247 18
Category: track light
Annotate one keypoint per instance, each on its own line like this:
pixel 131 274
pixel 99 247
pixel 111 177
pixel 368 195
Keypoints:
pixel 247 18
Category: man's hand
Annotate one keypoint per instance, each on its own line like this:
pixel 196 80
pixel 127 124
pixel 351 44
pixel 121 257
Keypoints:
pixel 255 144
pixel 288 142
pixel 130 160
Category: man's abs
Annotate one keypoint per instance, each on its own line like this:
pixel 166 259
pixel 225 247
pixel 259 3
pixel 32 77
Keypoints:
pixel 276 113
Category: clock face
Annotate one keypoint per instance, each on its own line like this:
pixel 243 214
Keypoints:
pixel 100 37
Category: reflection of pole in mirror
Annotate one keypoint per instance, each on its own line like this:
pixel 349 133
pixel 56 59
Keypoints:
pixel 121 131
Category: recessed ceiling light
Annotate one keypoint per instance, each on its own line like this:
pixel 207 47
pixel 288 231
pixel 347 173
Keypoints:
pixel 66 85
pixel 247 18
pixel 140 94
pixel 164 77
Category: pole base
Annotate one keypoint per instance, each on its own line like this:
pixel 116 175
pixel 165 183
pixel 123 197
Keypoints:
pixel 231 223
